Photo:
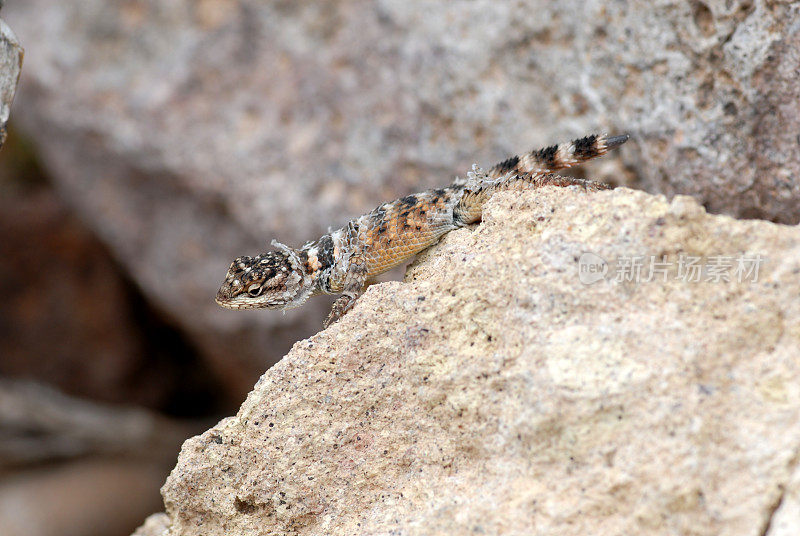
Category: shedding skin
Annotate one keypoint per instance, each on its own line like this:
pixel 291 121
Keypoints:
pixel 342 261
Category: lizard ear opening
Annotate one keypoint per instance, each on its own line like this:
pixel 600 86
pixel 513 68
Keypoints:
pixel 291 254
pixel 300 282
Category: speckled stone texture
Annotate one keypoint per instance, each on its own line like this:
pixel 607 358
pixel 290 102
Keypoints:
pixel 492 392
pixel 190 132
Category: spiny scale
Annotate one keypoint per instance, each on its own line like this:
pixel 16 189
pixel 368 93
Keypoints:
pixel 343 261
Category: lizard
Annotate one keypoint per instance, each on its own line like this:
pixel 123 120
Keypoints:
pixel 342 261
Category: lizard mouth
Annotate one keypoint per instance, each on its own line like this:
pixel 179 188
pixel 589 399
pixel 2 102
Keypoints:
pixel 227 301
pixel 225 304
pixel 235 304
pixel 244 301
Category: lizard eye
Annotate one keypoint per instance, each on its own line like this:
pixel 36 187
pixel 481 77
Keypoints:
pixel 254 290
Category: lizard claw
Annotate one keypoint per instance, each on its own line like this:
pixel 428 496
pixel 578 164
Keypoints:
pixel 340 307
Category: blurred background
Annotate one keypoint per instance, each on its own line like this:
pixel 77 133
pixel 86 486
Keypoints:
pixel 152 141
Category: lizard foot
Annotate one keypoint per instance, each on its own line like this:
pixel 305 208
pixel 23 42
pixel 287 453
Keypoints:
pixel 340 307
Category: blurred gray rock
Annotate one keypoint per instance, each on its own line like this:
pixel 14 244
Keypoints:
pixel 41 425
pixel 494 392
pixel 191 132
pixel 68 317
pixel 86 497
pixel 11 54
pixel 73 467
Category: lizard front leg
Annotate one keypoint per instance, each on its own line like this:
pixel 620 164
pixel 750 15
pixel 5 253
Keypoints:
pixel 354 283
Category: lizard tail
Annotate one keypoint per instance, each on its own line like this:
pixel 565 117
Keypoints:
pixel 481 188
pixel 558 156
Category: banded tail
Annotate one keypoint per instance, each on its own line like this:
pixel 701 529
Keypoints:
pixel 558 156
pixel 531 171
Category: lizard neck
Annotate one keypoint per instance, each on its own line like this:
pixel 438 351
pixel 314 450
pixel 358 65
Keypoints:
pixel 318 259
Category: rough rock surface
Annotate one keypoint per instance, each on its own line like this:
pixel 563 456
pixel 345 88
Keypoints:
pixel 196 131
pixel 493 392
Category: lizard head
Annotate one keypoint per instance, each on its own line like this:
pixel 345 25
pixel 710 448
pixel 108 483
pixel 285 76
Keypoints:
pixel 272 280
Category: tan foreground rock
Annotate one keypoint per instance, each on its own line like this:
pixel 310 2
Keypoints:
pixel 493 392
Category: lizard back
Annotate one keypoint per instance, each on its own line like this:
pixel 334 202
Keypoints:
pixel 341 262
